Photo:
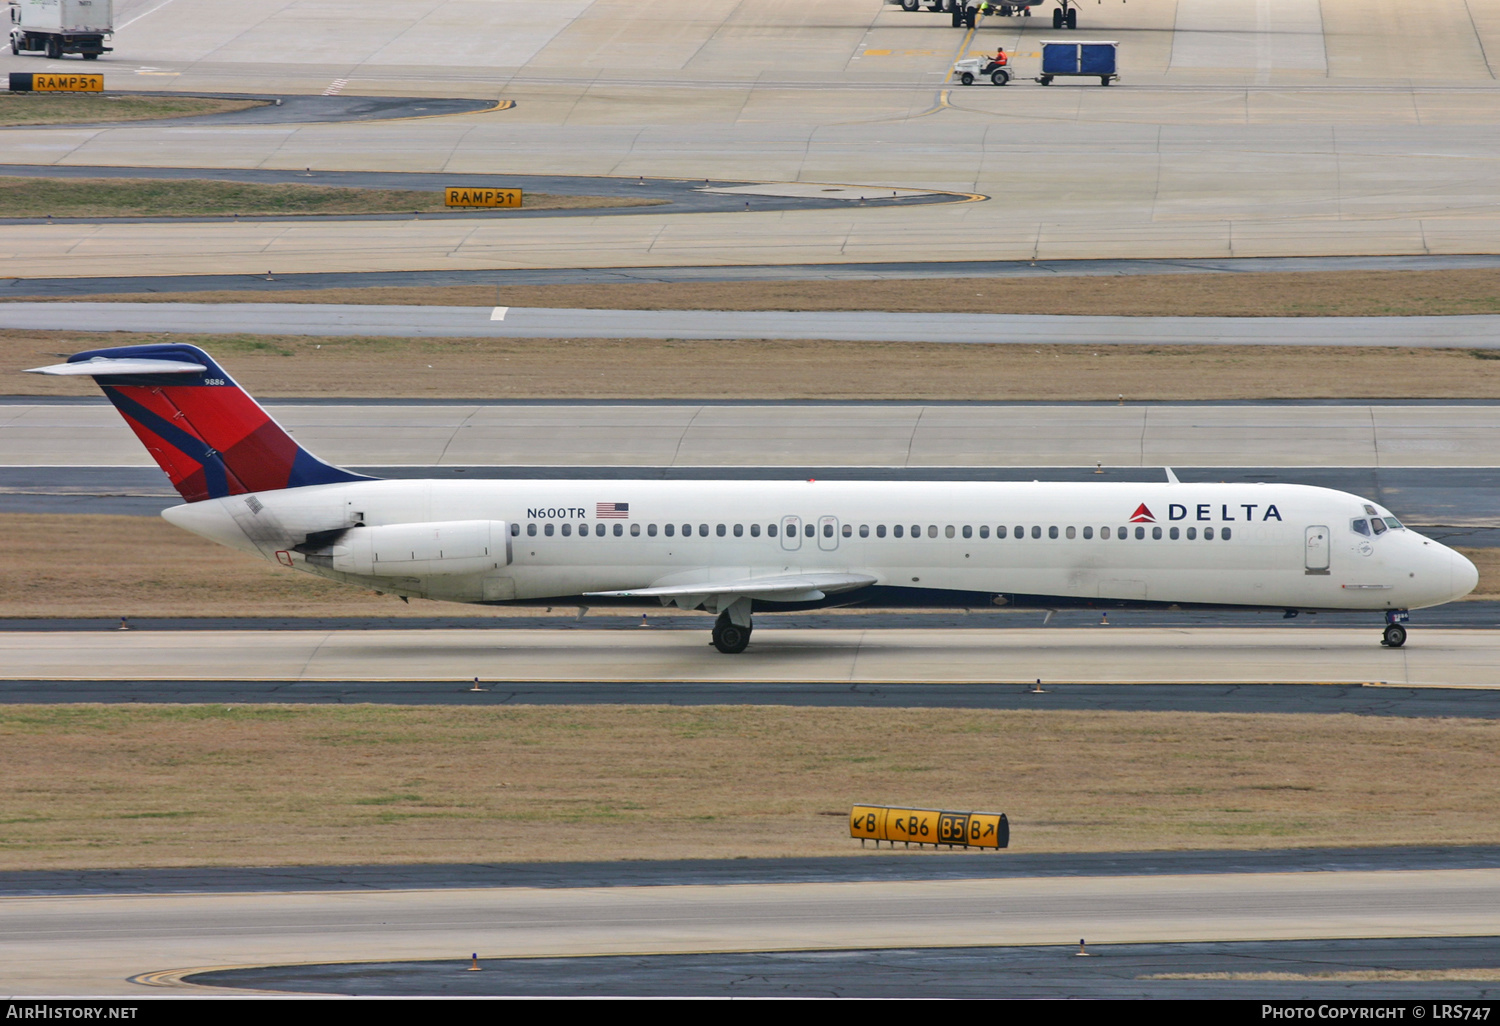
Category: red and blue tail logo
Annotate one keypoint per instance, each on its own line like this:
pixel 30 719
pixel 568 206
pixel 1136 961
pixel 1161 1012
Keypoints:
pixel 205 431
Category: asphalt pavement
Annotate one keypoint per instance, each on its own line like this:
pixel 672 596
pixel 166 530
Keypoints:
pixel 1479 331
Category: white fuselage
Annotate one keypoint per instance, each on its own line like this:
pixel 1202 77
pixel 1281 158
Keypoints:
pixel 1260 545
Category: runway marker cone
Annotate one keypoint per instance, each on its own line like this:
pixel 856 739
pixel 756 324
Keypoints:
pixel 474 964
pixel 476 686
pixel 1038 689
pixel 1082 952
pixel 123 625
pixel 1103 619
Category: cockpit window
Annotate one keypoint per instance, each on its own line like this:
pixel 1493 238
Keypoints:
pixel 1393 523
pixel 1378 524
pixel 1360 526
pixel 1370 510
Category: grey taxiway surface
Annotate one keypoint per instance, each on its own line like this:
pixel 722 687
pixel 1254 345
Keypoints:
pixel 1480 331
pixel 158 939
pixel 29 287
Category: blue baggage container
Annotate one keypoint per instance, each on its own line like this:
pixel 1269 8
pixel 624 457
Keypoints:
pixel 1094 59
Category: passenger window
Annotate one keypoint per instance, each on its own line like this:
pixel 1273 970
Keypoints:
pixel 848 531
pixel 1173 534
pixel 1192 534
pixel 770 530
pixel 583 530
pixel 515 529
pixel 651 530
pixel 1156 534
pixel 1140 533
pixel 1360 527
pixel 1052 533
pixel 916 530
pixel 827 530
pixel 1020 531
pixel 547 530
pixel 1036 532
pixel 984 530
pixel 1000 531
pixel 531 530
pixel 1208 534
pixel 1088 532
pixel 808 530
pixel 898 531
pixel 948 532
pixel 864 530
pixel 635 530
pixel 880 530
pixel 755 530
pixel 1070 533
pixel 739 530
pixel 598 530
pixel 567 530
pixel 719 530
pixel 1104 533
pixel 1378 525
pixel 968 531
pixel 702 530
pixel 671 529
pixel 1225 534
pixel 620 530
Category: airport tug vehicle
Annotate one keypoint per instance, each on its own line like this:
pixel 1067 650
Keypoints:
pixel 970 69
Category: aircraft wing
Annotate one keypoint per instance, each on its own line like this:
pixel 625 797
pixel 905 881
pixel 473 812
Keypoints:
pixel 779 588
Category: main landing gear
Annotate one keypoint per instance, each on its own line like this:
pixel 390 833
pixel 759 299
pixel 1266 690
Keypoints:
pixel 729 637
pixel 1395 633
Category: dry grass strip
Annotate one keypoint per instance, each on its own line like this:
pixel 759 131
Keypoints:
pixel 72 108
pixel 504 368
pixel 67 565
pixel 111 785
pixel 1252 294
pixel 165 197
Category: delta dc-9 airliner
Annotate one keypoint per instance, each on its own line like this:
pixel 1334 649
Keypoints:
pixel 733 547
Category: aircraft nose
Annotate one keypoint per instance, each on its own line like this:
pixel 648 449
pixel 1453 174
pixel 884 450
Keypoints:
pixel 1465 574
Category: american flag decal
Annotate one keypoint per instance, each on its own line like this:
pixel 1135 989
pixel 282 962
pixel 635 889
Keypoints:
pixel 612 511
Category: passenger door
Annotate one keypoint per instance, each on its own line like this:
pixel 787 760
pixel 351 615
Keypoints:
pixel 1317 550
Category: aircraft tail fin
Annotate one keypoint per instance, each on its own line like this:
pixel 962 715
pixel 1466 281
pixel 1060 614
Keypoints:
pixel 205 431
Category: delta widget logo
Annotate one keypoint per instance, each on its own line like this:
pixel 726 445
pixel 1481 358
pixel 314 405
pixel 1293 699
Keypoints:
pixel 1142 515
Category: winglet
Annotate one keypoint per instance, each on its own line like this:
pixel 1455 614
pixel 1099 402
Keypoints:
pixel 1171 477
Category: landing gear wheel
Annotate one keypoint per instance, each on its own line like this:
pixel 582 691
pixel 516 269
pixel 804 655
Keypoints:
pixel 1057 18
pixel 966 78
pixel 730 637
pixel 1395 636
pixel 1071 18
pixel 1000 77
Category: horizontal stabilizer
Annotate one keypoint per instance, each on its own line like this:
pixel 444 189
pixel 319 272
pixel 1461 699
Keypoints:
pixel 103 365
pixel 790 587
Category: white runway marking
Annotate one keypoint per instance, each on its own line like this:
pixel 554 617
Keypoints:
pixel 498 314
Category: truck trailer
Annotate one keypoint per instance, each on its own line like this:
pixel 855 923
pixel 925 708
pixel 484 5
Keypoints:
pixel 56 27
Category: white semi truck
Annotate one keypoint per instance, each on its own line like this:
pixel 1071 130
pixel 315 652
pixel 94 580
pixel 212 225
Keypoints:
pixel 56 27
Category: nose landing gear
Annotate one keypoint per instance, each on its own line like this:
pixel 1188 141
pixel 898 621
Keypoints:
pixel 1395 633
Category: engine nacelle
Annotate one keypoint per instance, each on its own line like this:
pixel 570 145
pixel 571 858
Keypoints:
pixel 419 550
